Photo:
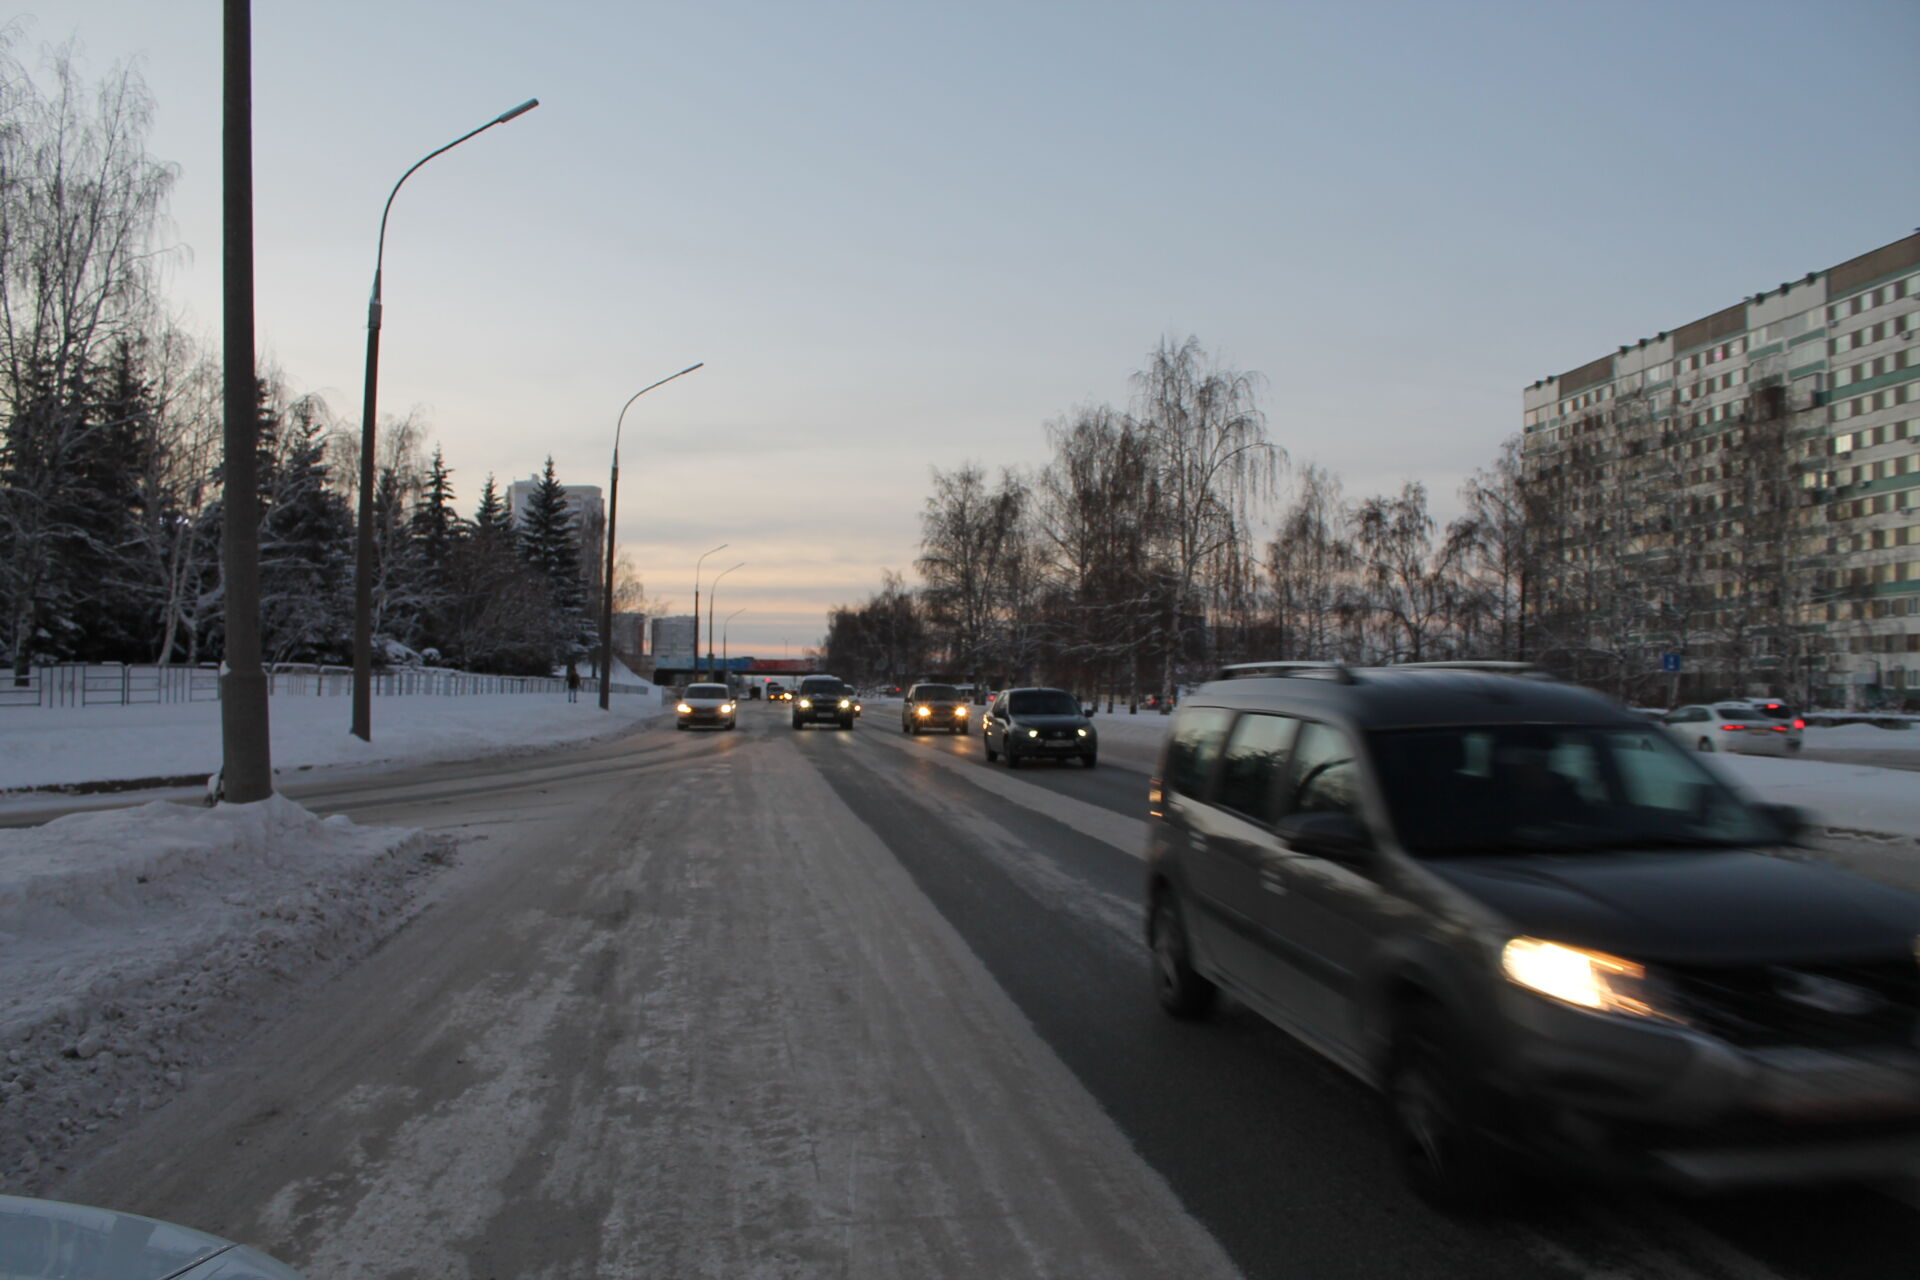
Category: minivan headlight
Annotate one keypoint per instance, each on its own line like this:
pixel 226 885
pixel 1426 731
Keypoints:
pixel 1586 979
pixel 805 703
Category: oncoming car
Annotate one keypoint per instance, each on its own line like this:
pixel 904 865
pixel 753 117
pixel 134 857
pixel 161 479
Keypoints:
pixel 824 698
pixel 1754 728
pixel 1537 926
pixel 934 706
pixel 709 704
pixel 1039 724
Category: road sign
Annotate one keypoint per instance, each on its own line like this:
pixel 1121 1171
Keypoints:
pixel 1669 662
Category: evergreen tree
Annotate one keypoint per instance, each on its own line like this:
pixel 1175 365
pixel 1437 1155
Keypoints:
pixel 306 542
pixel 550 542
pixel 433 529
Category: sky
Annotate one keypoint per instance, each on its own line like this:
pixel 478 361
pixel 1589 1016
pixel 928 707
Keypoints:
pixel 905 236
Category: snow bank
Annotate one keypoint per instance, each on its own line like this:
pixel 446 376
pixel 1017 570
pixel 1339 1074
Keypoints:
pixel 54 746
pixel 135 943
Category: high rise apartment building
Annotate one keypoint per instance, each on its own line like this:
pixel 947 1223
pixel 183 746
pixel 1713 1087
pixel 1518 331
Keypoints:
pixel 1740 496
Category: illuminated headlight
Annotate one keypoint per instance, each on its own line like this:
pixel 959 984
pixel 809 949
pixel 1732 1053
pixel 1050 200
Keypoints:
pixel 1081 732
pixel 923 711
pixel 684 709
pixel 845 703
pixel 961 712
pixel 806 703
pixel 1033 733
pixel 1586 979
pixel 726 708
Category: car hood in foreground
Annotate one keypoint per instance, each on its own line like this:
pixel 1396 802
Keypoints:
pixel 1692 907
pixel 45 1239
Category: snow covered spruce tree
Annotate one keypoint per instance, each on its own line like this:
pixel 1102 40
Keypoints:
pixel 306 542
pixel 79 204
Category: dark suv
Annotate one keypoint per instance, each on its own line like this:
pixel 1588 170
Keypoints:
pixel 1039 724
pixel 1537 925
pixel 824 698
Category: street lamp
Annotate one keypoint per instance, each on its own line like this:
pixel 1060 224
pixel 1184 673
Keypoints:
pixel 696 607
pixel 613 508
pixel 712 591
pixel 723 632
pixel 363 566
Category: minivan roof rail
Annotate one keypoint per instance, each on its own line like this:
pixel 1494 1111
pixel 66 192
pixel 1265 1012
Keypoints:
pixel 1525 670
pixel 1336 671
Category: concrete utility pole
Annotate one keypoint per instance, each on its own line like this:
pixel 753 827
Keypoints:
pixel 246 750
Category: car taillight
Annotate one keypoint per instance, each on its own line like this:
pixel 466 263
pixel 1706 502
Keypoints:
pixel 1156 796
pixel 1778 728
pixel 1799 724
pixel 1733 726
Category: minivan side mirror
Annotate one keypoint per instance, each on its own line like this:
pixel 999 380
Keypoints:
pixel 1338 837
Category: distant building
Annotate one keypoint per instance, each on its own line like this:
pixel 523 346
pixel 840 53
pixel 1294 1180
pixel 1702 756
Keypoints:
pixel 1740 495
pixel 673 642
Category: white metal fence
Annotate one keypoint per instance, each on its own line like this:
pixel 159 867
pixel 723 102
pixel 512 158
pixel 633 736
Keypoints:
pixel 73 684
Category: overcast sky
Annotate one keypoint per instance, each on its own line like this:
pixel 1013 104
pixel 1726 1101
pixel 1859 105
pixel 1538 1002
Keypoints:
pixel 906 235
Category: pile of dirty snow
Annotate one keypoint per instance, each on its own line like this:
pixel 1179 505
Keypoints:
pixel 135 943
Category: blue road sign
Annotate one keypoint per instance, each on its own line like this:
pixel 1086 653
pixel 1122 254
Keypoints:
pixel 1669 662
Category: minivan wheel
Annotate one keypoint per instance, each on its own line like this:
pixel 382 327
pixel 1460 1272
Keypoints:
pixel 992 755
pixel 1706 745
pixel 1013 761
pixel 1089 760
pixel 1433 1117
pixel 1182 991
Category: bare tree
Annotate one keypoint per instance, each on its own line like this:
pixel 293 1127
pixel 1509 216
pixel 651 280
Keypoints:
pixel 1208 441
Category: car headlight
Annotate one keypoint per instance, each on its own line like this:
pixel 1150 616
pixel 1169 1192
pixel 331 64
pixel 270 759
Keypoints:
pixel 1081 732
pixel 1033 733
pixel 923 711
pixel 845 703
pixel 684 709
pixel 726 708
pixel 961 712
pixel 805 703
pixel 1576 976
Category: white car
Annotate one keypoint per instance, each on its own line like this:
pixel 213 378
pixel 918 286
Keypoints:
pixel 1751 728
pixel 705 704
pixel 48 1240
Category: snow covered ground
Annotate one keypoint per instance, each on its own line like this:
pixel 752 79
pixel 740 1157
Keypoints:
pixel 136 940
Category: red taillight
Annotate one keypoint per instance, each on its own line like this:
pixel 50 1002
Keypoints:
pixel 1778 728
pixel 1733 726
pixel 1799 724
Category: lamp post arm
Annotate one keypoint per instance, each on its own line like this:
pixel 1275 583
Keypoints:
pixel 380 250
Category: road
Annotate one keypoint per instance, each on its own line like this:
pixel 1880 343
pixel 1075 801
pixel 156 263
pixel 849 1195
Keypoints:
pixel 778 1003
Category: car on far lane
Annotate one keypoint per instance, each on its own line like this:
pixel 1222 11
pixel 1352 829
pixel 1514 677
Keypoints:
pixel 1746 727
pixel 934 706
pixel 1040 724
pixel 709 704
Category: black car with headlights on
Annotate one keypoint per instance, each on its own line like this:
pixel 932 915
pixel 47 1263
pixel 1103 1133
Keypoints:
pixel 1039 724
pixel 825 699
pixel 934 706
pixel 1537 925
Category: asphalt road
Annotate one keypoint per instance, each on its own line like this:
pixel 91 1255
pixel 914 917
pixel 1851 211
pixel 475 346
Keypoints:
pixel 821 1003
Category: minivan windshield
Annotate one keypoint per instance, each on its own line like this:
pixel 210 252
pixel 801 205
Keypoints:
pixel 1499 789
pixel 1042 702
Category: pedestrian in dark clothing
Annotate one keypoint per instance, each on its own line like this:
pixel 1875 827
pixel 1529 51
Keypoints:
pixel 573 683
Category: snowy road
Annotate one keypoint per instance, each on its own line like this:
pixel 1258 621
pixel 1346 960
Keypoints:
pixel 826 1004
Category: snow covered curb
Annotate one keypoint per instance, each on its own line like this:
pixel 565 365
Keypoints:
pixel 136 943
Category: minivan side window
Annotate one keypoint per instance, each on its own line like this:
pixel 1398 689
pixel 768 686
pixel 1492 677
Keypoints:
pixel 1256 757
pixel 1192 748
pixel 1323 778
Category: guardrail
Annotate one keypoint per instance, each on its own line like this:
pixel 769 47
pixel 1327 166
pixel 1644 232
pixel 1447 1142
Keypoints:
pixel 73 684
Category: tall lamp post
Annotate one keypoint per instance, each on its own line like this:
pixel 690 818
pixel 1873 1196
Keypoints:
pixel 363 565
pixel 613 510
pixel 723 632
pixel 696 606
pixel 713 589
